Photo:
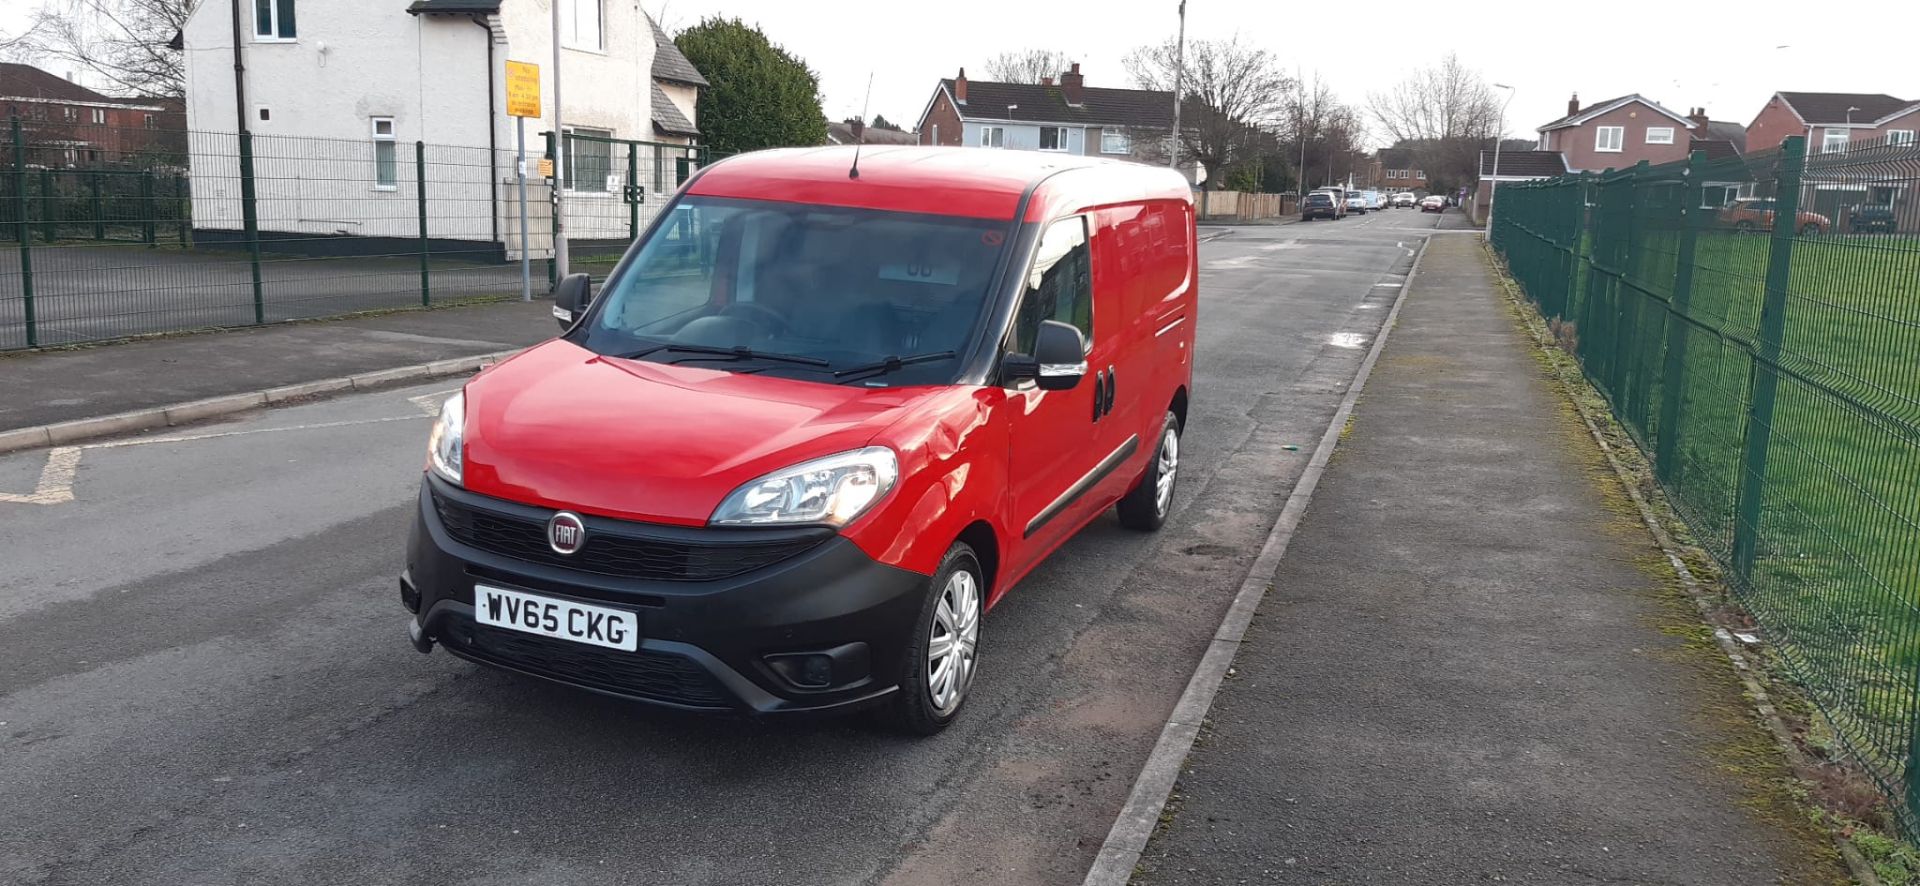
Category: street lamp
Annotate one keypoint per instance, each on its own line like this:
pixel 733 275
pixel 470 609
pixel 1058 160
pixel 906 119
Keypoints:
pixel 1494 184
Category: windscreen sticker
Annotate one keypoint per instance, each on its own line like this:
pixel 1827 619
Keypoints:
pixel 921 272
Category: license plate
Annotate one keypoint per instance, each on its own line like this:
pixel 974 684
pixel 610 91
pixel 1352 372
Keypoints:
pixel 553 617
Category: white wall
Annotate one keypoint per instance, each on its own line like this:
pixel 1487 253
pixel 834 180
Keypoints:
pixel 1026 136
pixel 357 59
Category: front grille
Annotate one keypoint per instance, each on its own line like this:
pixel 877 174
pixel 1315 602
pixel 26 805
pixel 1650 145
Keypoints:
pixel 658 676
pixel 619 549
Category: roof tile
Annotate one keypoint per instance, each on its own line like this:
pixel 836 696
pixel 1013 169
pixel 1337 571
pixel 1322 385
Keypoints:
pixel 1038 103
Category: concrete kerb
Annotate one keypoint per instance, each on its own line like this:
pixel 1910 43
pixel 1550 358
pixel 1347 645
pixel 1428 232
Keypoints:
pixel 1134 826
pixel 63 433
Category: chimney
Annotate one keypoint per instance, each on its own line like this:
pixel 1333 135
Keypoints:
pixel 859 126
pixel 1070 83
pixel 960 87
pixel 1699 118
pixel 1573 105
pixel 1046 81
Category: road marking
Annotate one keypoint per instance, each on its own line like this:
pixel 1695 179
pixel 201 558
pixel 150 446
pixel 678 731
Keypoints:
pixel 56 480
pixel 429 403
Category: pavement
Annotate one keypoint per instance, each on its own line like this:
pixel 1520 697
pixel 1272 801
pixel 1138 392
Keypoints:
pixel 60 385
pixel 1465 670
pixel 204 675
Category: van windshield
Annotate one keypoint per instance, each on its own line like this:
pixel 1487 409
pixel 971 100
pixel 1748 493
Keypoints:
pixel 802 290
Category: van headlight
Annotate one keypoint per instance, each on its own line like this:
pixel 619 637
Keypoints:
pixel 445 443
pixel 833 490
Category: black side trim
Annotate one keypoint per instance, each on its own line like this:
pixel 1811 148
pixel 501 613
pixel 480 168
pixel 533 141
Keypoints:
pixel 1080 487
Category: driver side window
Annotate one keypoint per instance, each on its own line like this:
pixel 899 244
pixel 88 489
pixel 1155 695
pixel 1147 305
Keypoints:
pixel 1059 285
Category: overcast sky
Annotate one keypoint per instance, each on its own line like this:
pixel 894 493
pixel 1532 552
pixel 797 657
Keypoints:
pixel 1680 53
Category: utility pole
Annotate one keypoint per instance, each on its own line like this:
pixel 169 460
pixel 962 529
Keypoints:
pixel 1179 81
pixel 559 158
pixel 1494 184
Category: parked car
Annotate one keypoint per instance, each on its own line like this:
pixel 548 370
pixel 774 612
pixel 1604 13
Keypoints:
pixel 790 470
pixel 1871 219
pixel 1357 203
pixel 1339 198
pixel 1376 201
pixel 1433 203
pixel 1403 200
pixel 1318 205
pixel 1748 216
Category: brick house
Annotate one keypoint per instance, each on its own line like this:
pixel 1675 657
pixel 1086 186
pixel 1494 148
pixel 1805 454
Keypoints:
pixel 1833 120
pixel 1620 132
pixel 1066 116
pixel 1394 170
pixel 72 125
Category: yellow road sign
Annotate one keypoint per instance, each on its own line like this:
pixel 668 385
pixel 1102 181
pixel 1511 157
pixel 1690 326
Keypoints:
pixel 523 89
pixel 546 167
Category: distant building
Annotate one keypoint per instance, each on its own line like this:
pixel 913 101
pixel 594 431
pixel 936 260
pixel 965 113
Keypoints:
pixel 1513 166
pixel 1067 116
pixel 1832 121
pixel 339 91
pixel 1395 170
pixel 854 132
pixel 70 125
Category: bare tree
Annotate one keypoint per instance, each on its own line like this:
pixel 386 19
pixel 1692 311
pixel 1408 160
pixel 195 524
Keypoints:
pixel 124 43
pixel 1445 114
pixel 1231 92
pixel 1322 132
pixel 1026 65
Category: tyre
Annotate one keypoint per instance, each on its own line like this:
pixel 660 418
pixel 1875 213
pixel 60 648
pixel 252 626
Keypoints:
pixel 1146 507
pixel 1810 229
pixel 1745 227
pixel 942 655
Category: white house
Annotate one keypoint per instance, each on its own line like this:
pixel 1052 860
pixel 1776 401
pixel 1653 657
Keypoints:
pixel 338 92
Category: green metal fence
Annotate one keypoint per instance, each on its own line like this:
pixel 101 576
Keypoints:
pixel 116 232
pixel 1755 323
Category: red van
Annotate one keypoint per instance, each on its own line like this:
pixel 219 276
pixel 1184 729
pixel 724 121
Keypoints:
pixel 819 419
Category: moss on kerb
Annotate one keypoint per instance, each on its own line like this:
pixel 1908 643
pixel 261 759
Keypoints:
pixel 1739 745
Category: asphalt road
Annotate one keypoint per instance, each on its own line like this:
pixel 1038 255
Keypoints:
pixel 204 677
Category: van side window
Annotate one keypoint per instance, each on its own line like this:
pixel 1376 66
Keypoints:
pixel 1059 286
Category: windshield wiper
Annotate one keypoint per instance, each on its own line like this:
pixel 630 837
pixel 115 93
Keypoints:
pixel 893 364
pixel 734 353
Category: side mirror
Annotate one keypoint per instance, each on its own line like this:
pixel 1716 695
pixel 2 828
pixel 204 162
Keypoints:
pixel 1058 362
pixel 570 297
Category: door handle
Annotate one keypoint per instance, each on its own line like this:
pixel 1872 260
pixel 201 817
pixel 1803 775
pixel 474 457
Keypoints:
pixel 1103 392
pixel 1113 381
pixel 1099 394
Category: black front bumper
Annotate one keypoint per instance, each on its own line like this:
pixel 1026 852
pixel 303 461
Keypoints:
pixel 710 640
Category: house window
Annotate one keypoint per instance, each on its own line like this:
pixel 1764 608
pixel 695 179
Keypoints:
pixel 993 136
pixel 99 116
pixel 385 166
pixel 936 133
pixel 148 121
pixel 1835 141
pixel 273 20
pixel 580 22
pixel 1609 138
pixel 1899 136
pixel 1060 285
pixel 589 158
pixel 1115 142
pixel 71 114
pixel 1659 135
pixel 1053 138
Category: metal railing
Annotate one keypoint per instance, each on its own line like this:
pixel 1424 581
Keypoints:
pixel 1754 322
pixel 118 232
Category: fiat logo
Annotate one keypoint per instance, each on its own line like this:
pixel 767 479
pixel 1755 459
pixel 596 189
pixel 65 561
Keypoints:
pixel 566 533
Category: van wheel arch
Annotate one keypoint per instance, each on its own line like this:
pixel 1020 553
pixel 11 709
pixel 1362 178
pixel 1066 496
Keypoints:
pixel 986 548
pixel 1179 406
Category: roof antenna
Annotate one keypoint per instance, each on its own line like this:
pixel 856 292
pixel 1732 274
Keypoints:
pixel 862 140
